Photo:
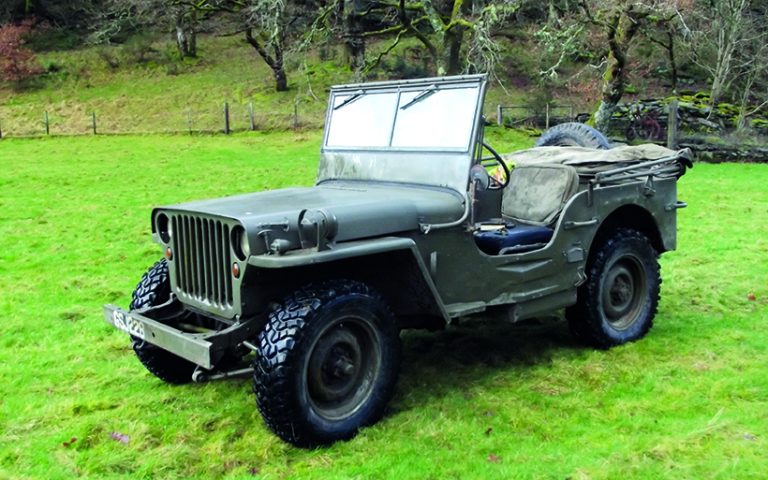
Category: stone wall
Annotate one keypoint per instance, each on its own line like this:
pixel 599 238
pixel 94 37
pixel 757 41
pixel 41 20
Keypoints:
pixel 704 128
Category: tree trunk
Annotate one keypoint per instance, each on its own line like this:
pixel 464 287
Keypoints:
pixel 620 35
pixel 186 37
pixel 672 61
pixel 192 36
pixel 452 50
pixel 275 62
pixel 613 90
pixel 281 80
pixel 354 42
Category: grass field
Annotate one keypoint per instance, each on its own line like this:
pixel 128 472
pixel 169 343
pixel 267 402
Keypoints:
pixel 481 400
pixel 160 94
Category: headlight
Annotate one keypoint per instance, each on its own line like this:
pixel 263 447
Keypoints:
pixel 163 227
pixel 240 243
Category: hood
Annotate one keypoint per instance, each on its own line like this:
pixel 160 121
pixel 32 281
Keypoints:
pixel 353 210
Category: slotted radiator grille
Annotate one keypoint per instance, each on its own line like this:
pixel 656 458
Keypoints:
pixel 203 260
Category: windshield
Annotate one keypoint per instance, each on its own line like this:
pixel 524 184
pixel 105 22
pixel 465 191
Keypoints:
pixel 432 117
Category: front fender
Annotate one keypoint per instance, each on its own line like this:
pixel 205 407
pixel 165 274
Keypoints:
pixel 347 252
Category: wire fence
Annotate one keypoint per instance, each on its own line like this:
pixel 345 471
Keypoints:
pixel 532 116
pixel 64 118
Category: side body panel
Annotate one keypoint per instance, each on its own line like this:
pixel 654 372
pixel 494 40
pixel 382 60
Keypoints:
pixel 465 280
pixel 468 280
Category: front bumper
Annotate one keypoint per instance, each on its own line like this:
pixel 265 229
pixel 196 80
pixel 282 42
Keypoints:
pixel 198 348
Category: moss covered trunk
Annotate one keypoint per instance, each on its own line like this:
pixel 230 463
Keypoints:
pixel 621 29
pixel 612 91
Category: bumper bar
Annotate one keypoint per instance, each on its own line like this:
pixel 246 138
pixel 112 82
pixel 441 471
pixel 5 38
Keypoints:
pixel 189 346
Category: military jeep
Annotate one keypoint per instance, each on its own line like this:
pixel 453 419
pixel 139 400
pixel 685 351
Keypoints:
pixel 413 221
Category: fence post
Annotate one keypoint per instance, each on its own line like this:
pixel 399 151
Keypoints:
pixel 499 118
pixel 546 116
pixel 45 121
pixel 93 121
pixel 1 131
pixel 295 116
pixel 250 116
pixel 672 124
pixel 226 118
pixel 189 120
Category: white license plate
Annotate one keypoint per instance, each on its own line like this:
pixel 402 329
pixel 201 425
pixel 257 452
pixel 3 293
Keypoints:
pixel 128 324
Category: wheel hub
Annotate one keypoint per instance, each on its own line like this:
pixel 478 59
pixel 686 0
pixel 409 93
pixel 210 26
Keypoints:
pixel 341 369
pixel 623 289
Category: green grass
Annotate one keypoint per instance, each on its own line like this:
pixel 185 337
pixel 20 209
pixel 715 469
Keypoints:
pixel 164 95
pixel 145 97
pixel 480 400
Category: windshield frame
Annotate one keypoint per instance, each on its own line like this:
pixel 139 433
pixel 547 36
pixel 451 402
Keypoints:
pixel 432 166
pixel 420 86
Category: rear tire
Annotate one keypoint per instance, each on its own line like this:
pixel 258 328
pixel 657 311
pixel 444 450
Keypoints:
pixel 327 364
pixel 619 300
pixel 573 134
pixel 155 289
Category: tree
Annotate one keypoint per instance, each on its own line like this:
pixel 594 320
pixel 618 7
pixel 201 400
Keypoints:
pixel 732 47
pixel 70 14
pixel 665 34
pixel 185 24
pixel 458 34
pixel 266 30
pixel 267 26
pixel 17 63
pixel 621 22
pixel 343 20
pixel 119 16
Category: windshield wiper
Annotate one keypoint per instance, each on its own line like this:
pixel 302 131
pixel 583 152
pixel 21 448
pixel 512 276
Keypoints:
pixel 429 91
pixel 351 99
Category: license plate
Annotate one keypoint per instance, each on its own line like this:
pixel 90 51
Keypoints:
pixel 128 324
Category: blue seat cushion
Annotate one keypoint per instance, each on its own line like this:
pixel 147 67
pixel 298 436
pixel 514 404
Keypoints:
pixel 513 239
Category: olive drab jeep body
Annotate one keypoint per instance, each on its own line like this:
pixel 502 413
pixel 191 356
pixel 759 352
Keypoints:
pixel 307 288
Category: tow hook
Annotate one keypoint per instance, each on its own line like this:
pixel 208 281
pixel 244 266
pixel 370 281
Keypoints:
pixel 201 375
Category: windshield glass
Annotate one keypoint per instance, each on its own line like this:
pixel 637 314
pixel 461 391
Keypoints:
pixel 433 118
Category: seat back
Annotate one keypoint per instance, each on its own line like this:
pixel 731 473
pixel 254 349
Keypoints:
pixel 536 194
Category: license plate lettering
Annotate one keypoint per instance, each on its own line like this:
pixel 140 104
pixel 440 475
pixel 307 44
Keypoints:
pixel 128 324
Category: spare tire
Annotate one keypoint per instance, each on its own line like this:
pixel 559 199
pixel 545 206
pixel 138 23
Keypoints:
pixel 573 134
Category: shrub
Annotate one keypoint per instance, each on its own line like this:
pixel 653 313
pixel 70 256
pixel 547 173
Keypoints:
pixel 17 63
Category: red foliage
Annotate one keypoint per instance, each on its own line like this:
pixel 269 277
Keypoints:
pixel 17 63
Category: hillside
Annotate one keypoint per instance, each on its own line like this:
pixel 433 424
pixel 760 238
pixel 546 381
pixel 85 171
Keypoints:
pixel 141 87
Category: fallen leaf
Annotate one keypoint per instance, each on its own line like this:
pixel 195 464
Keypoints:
pixel 70 442
pixel 493 458
pixel 488 430
pixel 751 297
pixel 120 437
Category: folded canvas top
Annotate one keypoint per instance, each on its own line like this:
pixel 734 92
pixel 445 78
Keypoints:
pixel 590 160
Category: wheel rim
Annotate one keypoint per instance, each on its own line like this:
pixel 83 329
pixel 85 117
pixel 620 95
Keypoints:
pixel 342 367
pixel 623 291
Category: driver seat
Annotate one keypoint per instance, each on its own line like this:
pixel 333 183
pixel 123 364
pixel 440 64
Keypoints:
pixel 531 204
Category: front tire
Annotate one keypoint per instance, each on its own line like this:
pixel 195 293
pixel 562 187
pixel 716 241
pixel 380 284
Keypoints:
pixel 155 289
pixel 327 364
pixel 619 300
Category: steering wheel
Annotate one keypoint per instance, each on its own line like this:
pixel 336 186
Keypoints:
pixel 495 160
